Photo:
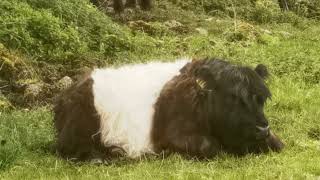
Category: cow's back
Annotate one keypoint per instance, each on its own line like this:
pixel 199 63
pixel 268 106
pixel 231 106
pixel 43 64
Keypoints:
pixel 124 98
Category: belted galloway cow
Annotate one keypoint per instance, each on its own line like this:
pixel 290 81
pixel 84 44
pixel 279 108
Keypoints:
pixel 197 108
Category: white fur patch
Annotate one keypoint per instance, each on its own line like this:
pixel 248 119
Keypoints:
pixel 124 98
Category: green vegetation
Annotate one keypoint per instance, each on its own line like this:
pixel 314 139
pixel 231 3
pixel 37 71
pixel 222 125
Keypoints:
pixel 58 30
pixel 41 41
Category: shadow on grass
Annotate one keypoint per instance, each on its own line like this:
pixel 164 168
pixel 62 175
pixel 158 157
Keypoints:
pixel 314 133
pixel 49 148
pixel 43 148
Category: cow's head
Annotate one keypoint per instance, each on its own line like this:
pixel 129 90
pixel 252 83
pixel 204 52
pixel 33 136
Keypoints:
pixel 236 96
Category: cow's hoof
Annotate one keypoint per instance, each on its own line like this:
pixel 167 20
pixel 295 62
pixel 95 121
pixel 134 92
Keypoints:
pixel 98 161
pixel 117 152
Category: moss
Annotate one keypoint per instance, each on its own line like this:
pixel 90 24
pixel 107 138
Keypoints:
pixel 59 30
pixel 12 66
pixel 5 103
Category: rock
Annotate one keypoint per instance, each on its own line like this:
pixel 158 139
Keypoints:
pixel 266 31
pixel 173 24
pixel 176 26
pixel 285 34
pixel 202 31
pixel 31 93
pixel 139 25
pixel 64 83
pixel 209 19
pixel 146 27
pixel 33 90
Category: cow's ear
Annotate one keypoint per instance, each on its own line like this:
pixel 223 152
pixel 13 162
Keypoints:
pixel 203 72
pixel 262 71
pixel 185 68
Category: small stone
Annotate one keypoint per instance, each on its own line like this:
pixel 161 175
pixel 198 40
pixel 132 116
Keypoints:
pixel 266 31
pixel 285 34
pixel 64 83
pixel 209 19
pixel 173 24
pixel 202 31
pixel 33 90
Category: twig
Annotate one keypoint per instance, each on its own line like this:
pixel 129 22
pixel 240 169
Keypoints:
pixel 1 66
pixel 234 17
pixel 4 86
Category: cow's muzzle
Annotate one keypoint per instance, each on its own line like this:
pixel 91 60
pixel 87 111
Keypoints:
pixel 262 132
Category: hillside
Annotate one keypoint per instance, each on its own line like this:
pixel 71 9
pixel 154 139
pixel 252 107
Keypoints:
pixel 43 41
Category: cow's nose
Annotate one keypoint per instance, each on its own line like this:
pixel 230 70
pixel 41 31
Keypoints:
pixel 262 132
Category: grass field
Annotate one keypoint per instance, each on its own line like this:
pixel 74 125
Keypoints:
pixel 291 50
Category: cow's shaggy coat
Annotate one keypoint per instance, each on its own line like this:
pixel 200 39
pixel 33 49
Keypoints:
pixel 124 99
pixel 156 107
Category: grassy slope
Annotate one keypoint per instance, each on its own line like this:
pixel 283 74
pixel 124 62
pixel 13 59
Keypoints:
pixel 290 50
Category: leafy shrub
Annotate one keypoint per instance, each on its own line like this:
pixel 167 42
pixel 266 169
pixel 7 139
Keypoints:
pixel 58 29
pixel 307 8
pixel 12 66
pixel 261 11
pixel 265 11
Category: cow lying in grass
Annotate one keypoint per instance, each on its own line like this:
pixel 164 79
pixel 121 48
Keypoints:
pixel 197 108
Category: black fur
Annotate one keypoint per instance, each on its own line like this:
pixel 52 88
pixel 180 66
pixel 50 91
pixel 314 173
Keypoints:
pixel 212 106
pixel 222 115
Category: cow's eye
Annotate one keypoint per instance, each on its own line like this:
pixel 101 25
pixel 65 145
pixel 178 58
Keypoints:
pixel 233 97
pixel 236 99
pixel 242 102
pixel 259 100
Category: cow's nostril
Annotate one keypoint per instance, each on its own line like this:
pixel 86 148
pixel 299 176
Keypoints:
pixel 262 132
pixel 260 128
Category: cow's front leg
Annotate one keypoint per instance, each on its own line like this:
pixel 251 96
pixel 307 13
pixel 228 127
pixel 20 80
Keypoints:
pixel 145 4
pixel 131 3
pixel 195 146
pixel 118 6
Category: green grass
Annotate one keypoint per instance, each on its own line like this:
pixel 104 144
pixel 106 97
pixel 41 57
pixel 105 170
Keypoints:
pixel 293 113
pixel 287 43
